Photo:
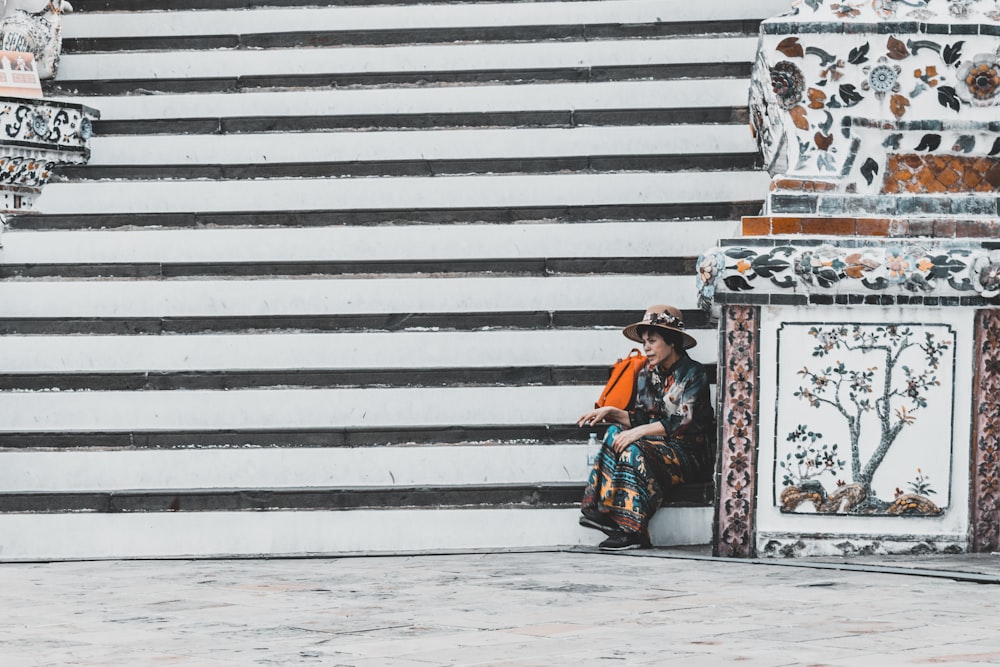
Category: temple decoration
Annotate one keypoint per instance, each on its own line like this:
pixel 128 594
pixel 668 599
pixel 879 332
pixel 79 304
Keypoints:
pixel 852 271
pixel 36 135
pixel 857 413
pixel 880 105
pixel 35 27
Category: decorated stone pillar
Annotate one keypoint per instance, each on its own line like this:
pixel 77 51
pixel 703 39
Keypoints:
pixel 36 135
pixel 859 367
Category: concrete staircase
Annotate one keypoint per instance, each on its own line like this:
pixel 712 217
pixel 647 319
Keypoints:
pixel 339 277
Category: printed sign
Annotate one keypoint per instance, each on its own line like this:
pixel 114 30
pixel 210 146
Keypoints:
pixel 18 76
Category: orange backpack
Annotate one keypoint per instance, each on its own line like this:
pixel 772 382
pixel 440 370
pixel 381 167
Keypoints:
pixel 620 389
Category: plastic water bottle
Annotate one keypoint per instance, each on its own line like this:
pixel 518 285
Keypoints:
pixel 593 449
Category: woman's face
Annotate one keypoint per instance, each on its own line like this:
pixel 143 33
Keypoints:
pixel 658 351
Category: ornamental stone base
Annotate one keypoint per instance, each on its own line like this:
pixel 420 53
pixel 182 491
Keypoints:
pixel 36 136
pixel 859 384
pixel 859 368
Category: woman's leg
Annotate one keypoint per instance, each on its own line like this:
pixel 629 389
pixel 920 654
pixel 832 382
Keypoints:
pixel 643 477
pixel 597 497
pixel 634 491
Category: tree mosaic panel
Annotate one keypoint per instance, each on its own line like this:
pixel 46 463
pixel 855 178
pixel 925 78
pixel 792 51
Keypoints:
pixel 857 405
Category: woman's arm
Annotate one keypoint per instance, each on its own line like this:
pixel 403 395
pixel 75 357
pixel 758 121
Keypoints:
pixel 625 438
pixel 607 414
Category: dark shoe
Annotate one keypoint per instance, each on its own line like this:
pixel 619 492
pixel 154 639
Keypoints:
pixel 625 541
pixel 598 521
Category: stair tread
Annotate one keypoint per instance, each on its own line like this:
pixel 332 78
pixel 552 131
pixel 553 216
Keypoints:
pixel 524 32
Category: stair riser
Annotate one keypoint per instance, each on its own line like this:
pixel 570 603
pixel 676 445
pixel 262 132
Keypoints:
pixel 719 162
pixel 300 499
pixel 397 321
pixel 513 119
pixel 706 213
pixel 229 379
pixel 432 78
pixel 294 437
pixel 439 268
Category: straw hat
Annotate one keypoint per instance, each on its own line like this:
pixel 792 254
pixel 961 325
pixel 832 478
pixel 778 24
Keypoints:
pixel 661 317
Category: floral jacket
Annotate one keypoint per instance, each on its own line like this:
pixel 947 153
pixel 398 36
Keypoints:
pixel 680 399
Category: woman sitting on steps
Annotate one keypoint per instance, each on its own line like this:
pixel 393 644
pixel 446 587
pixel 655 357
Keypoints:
pixel 666 436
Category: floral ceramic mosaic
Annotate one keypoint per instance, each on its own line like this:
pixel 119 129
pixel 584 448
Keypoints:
pixel 37 136
pixel 919 10
pixel 910 267
pixel 846 92
pixel 48 124
pixel 737 460
pixel 986 449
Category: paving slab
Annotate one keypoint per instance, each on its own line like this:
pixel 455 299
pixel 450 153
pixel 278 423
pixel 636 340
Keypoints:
pixel 550 607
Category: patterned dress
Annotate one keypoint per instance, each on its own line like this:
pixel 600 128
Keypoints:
pixel 631 487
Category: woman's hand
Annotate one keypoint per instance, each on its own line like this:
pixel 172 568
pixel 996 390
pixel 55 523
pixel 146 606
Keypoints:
pixel 607 414
pixel 625 438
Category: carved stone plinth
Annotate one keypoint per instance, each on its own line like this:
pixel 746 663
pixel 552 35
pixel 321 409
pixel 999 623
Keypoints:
pixel 858 395
pixel 35 137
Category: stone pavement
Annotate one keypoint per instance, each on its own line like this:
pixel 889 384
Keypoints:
pixel 549 608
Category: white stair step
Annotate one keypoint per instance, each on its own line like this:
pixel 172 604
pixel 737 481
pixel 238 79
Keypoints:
pixel 379 243
pixel 429 145
pixel 88 411
pixel 322 351
pixel 276 468
pixel 420 58
pixel 401 193
pixel 211 534
pixel 679 93
pixel 129 298
pixel 376 17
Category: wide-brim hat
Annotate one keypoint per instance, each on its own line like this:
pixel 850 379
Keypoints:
pixel 660 317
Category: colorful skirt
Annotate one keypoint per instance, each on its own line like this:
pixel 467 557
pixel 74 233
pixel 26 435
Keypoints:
pixel 630 489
